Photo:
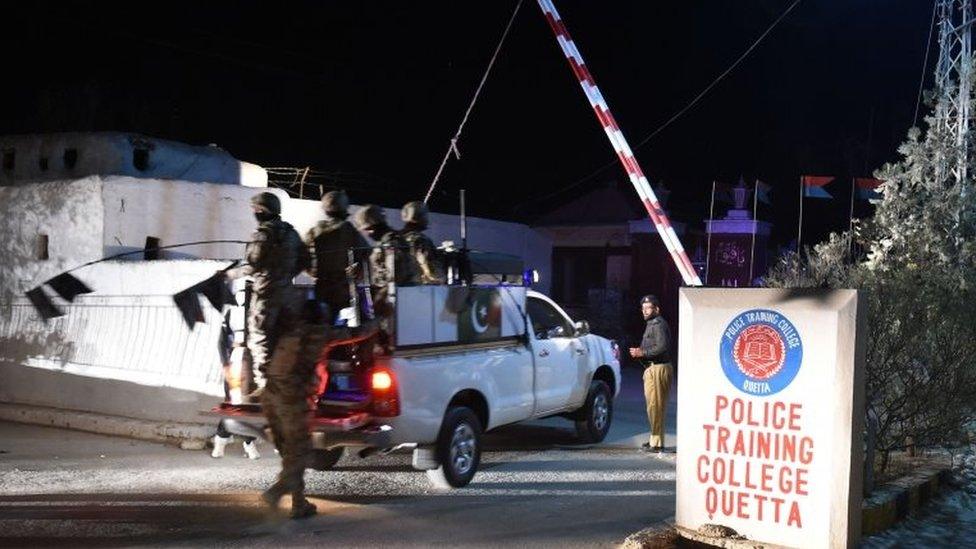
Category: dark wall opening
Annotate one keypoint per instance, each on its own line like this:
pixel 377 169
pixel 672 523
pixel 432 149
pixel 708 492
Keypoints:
pixel 41 247
pixel 140 159
pixel 152 248
pixel 70 158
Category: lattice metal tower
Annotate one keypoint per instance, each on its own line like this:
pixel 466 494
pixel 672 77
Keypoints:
pixel 952 80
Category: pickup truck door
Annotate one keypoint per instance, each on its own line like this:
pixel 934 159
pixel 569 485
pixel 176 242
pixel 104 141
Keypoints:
pixel 560 358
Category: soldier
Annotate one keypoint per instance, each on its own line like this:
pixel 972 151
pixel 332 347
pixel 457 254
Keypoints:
pixel 399 269
pixel 329 242
pixel 275 256
pixel 415 222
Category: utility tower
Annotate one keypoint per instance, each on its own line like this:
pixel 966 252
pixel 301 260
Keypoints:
pixel 952 80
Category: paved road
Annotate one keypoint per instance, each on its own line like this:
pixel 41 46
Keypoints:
pixel 536 488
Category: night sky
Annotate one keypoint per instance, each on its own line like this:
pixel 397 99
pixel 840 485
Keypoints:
pixel 377 89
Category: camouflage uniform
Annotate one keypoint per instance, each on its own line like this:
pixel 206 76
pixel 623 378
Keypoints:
pixel 275 256
pixel 415 221
pixel 404 270
pixel 389 263
pixel 329 241
pixel 285 402
pixel 425 255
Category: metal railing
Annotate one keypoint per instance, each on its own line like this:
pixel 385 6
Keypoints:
pixel 139 338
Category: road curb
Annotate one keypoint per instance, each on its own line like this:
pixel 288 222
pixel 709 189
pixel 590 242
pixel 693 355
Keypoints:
pixel 891 504
pixel 659 536
pixel 186 435
pixel 902 498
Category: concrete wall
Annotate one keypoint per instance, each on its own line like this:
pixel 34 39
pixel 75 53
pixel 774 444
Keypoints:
pixel 128 332
pixel 212 212
pixel 177 212
pixel 68 212
pixel 94 217
pixel 57 156
pixel 124 350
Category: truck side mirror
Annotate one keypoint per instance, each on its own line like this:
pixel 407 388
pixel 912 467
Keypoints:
pixel 582 327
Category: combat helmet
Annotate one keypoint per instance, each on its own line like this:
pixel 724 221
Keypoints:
pixel 266 202
pixel 415 213
pixel 370 217
pixel 336 203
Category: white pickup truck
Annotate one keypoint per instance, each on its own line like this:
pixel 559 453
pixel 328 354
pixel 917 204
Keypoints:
pixel 464 360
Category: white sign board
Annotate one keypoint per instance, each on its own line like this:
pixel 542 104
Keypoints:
pixel 770 414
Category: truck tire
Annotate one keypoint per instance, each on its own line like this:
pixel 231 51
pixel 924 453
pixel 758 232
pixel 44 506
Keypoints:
pixel 458 449
pixel 593 421
pixel 323 460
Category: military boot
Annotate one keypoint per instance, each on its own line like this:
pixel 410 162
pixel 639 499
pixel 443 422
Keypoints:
pixel 272 496
pixel 301 507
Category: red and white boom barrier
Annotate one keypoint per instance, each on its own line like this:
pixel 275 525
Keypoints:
pixel 599 104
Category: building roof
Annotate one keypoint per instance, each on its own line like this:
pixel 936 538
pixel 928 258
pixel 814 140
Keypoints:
pixel 59 156
pixel 606 205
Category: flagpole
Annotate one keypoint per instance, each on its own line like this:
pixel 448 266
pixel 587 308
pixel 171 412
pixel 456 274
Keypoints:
pixel 799 229
pixel 755 227
pixel 850 227
pixel 708 245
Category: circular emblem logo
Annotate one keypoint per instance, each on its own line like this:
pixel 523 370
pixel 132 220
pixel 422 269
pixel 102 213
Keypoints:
pixel 761 352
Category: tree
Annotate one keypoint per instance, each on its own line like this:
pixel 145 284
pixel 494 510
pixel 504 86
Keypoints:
pixel 919 272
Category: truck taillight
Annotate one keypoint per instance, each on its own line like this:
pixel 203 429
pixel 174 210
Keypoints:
pixel 381 381
pixel 386 400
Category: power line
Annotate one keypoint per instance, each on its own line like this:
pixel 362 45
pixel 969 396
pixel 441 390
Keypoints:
pixel 925 64
pixel 678 114
pixel 720 77
pixel 452 148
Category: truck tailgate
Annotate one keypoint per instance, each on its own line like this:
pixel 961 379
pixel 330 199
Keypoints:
pixel 319 420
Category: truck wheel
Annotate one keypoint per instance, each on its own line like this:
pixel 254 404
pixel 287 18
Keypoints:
pixel 323 460
pixel 595 416
pixel 458 449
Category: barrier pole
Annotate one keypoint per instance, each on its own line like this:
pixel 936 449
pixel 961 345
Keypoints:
pixel 624 153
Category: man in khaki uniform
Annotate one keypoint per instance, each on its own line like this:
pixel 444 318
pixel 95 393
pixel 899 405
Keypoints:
pixel 654 354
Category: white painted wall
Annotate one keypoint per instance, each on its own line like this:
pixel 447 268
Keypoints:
pixel 122 351
pixel 128 331
pixel 69 212
pixel 177 212
pixel 210 212
pixel 94 217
